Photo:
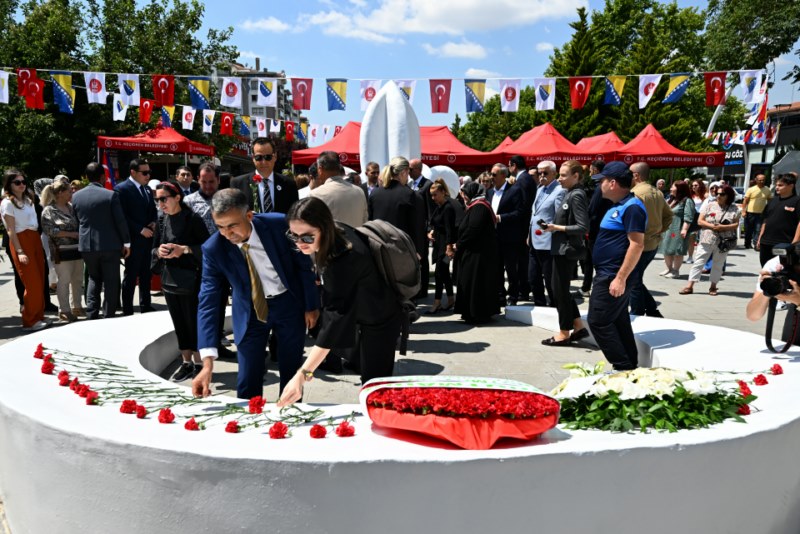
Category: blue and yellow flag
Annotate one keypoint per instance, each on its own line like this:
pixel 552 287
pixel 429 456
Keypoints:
pixel 614 87
pixel 678 83
pixel 199 90
pixel 244 129
pixel 63 93
pixel 337 94
pixel 167 112
pixel 474 91
pixel 302 133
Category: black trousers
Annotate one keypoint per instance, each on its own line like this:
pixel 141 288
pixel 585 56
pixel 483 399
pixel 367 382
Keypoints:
pixel 137 272
pixel 377 344
pixel 183 311
pixel 522 270
pixel 443 279
pixel 565 304
pixel 103 271
pixel 508 263
pixel 587 266
pixel 540 275
pixel 424 273
pixel 611 325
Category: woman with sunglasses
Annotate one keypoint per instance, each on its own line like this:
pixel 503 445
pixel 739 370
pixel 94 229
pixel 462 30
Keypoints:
pixel 354 295
pixel 19 217
pixel 177 256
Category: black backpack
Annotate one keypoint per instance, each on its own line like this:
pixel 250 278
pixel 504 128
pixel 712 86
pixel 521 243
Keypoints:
pixel 395 256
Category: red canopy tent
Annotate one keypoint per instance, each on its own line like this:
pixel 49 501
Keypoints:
pixel 500 149
pixel 544 142
pixel 603 146
pixel 439 147
pixel 650 147
pixel 159 139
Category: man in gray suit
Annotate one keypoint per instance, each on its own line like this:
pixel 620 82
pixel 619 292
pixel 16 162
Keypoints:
pixel 103 239
pixel 345 200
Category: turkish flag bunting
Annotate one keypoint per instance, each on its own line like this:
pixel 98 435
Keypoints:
pixel 146 110
pixel 25 76
pixel 440 96
pixel 227 124
pixel 301 93
pixel 336 130
pixel 34 94
pixel 579 90
pixel 715 88
pixel 289 131
pixel 164 90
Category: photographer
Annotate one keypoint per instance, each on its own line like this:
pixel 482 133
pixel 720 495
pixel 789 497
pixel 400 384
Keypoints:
pixel 778 280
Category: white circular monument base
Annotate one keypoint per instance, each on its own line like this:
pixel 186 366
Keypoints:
pixel 66 467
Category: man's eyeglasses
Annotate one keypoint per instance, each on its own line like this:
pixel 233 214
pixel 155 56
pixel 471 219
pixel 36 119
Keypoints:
pixel 308 239
pixel 263 157
pixel 163 199
pixel 18 182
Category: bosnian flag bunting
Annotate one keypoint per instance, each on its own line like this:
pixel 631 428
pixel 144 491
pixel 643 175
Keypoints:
pixel 509 95
pixel 750 82
pixel 96 87
pixel 129 89
pixel 302 133
pixel 369 88
pixel 208 120
pixel 274 126
pixel 3 87
pixel 440 95
pixel 579 87
pixel 474 91
pixel 678 83
pixel 301 92
pixel 545 93
pixel 120 108
pixel 407 86
pixel 614 87
pixel 199 91
pixel 244 128
pixel 715 88
pixel 63 93
pixel 647 88
pixel 267 92
pixel 167 112
pixel 337 94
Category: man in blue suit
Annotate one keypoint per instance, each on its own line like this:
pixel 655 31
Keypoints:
pixel 285 280
pixel 508 203
pixel 139 207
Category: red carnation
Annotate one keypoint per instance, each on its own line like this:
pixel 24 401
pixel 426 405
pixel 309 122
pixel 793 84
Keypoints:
pixel 232 427
pixel 191 424
pixel 63 378
pixel 165 416
pixel 141 411
pixel 744 409
pixel 711 214
pixel 91 397
pixel 83 390
pixel 760 380
pixel 744 388
pixel 776 369
pixel 278 430
pixel 39 353
pixel 318 432
pixel 345 430
pixel 128 406
pixel 74 384
pixel 48 367
pixel 537 232
pixel 257 178
pixel 256 404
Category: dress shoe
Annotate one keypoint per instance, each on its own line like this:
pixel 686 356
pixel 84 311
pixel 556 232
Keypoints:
pixel 553 342
pixel 451 301
pixel 146 309
pixel 224 353
pixel 654 313
pixel 511 302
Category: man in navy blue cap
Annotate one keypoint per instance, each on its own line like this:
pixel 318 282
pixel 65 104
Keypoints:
pixel 616 252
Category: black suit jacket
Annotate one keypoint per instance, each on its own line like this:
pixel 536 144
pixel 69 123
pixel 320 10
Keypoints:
pixel 102 224
pixel 397 205
pixel 528 185
pixel 140 211
pixel 285 191
pixel 513 224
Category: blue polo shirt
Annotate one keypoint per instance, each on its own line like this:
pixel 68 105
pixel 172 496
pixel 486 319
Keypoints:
pixel 612 243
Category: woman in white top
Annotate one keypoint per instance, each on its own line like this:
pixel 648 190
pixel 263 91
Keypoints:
pixel 19 217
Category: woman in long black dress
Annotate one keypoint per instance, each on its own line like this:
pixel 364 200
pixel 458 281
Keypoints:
pixel 177 255
pixel 476 249
pixel 443 235
pixel 355 295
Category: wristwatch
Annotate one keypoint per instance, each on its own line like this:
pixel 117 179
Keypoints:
pixel 307 375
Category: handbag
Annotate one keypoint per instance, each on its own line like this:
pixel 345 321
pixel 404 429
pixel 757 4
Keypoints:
pixel 724 245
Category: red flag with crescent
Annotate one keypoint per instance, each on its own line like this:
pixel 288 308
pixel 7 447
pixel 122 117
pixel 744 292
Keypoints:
pixel 715 88
pixel 24 77
pixel 289 131
pixel 301 93
pixel 336 130
pixel 146 109
pixel 34 94
pixel 164 90
pixel 440 96
pixel 579 90
pixel 226 122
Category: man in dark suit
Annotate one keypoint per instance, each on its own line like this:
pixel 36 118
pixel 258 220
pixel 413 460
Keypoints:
pixel 140 211
pixel 103 238
pixel 425 208
pixel 275 192
pixel 526 182
pixel 372 172
pixel 508 203
pixel 185 179
pixel 274 290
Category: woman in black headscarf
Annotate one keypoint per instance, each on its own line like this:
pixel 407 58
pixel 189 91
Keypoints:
pixel 476 295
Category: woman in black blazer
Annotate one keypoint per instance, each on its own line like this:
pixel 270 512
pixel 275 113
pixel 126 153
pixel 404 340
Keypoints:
pixel 394 201
pixel 354 295
pixel 443 236
pixel 568 245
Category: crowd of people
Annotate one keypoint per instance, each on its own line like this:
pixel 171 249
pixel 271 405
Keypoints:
pixel 286 254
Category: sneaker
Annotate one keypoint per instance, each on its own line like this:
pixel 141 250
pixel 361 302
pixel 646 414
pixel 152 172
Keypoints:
pixel 39 325
pixel 186 370
pixel 689 260
pixel 197 368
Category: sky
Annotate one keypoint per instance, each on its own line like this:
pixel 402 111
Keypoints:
pixel 412 39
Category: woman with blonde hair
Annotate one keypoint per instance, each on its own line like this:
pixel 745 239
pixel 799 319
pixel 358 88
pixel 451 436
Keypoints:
pixel 394 202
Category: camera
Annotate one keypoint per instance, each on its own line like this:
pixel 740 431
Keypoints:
pixel 778 282
pixel 542 223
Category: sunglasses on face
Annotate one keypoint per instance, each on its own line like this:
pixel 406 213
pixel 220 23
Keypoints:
pixel 18 182
pixel 263 157
pixel 307 239
pixel 163 199
pixel 541 173
pixel 146 173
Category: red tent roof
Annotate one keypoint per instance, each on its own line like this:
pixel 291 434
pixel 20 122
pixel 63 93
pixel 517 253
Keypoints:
pixel 651 147
pixel 499 149
pixel 601 143
pixel 159 139
pixel 439 147
pixel 545 143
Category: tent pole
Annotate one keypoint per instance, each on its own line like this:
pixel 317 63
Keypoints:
pixel 98 155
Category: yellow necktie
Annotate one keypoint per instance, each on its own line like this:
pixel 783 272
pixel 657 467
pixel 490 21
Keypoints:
pixel 256 289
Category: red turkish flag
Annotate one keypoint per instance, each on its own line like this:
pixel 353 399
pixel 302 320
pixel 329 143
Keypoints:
pixel 440 95
pixel 146 109
pixel 227 124
pixel 336 130
pixel 715 88
pixel 164 90
pixel 25 76
pixel 289 130
pixel 34 94
pixel 301 93
pixel 579 90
